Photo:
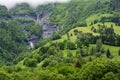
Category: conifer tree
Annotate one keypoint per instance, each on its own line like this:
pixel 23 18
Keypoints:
pixel 108 54
pixel 119 52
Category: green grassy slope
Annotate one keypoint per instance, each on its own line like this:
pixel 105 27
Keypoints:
pixel 49 62
pixel 63 17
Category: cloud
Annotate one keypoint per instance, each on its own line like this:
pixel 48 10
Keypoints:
pixel 11 3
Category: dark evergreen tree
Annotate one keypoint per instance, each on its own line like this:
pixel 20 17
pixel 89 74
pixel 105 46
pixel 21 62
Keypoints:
pixel 90 59
pixel 78 64
pixel 108 54
pixel 119 52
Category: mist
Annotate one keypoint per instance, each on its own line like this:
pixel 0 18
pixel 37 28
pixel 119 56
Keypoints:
pixel 33 3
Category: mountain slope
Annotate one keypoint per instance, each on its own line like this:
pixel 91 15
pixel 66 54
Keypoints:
pixel 87 47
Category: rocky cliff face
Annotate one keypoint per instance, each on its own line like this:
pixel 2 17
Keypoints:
pixel 47 28
pixel 39 16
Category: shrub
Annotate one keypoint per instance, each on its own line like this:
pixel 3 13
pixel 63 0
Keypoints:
pixel 100 69
pixel 71 45
pixel 30 62
pixel 56 36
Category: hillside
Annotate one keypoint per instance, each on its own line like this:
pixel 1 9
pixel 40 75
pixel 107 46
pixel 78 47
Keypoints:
pixel 77 40
pixel 11 42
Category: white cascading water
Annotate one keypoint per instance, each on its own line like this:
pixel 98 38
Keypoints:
pixel 31 45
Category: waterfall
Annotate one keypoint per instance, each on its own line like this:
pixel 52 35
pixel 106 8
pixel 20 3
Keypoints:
pixel 37 21
pixel 31 45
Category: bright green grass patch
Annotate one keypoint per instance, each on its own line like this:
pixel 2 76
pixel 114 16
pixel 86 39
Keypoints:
pixel 87 30
pixel 108 24
pixel 84 30
pixel 40 64
pixel 65 52
pixel 113 49
pixel 21 64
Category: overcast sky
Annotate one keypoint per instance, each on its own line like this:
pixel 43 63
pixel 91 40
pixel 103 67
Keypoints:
pixel 12 3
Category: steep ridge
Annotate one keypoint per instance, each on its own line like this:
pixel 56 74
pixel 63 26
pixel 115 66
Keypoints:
pixel 37 17
pixel 87 46
pixel 43 19
pixel 34 23
pixel 47 28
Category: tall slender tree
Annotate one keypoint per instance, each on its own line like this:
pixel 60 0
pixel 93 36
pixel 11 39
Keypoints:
pixel 108 53
pixel 98 45
pixel 119 52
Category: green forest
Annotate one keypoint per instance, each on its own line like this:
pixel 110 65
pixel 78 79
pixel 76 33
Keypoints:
pixel 85 46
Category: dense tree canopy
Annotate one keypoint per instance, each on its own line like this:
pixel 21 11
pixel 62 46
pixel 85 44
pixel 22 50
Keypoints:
pixel 12 40
pixel 77 55
pixel 101 70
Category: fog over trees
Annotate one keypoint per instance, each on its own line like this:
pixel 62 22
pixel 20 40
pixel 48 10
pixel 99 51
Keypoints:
pixel 34 3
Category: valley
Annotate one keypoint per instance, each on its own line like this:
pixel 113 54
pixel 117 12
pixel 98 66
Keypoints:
pixel 41 19
pixel 75 40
